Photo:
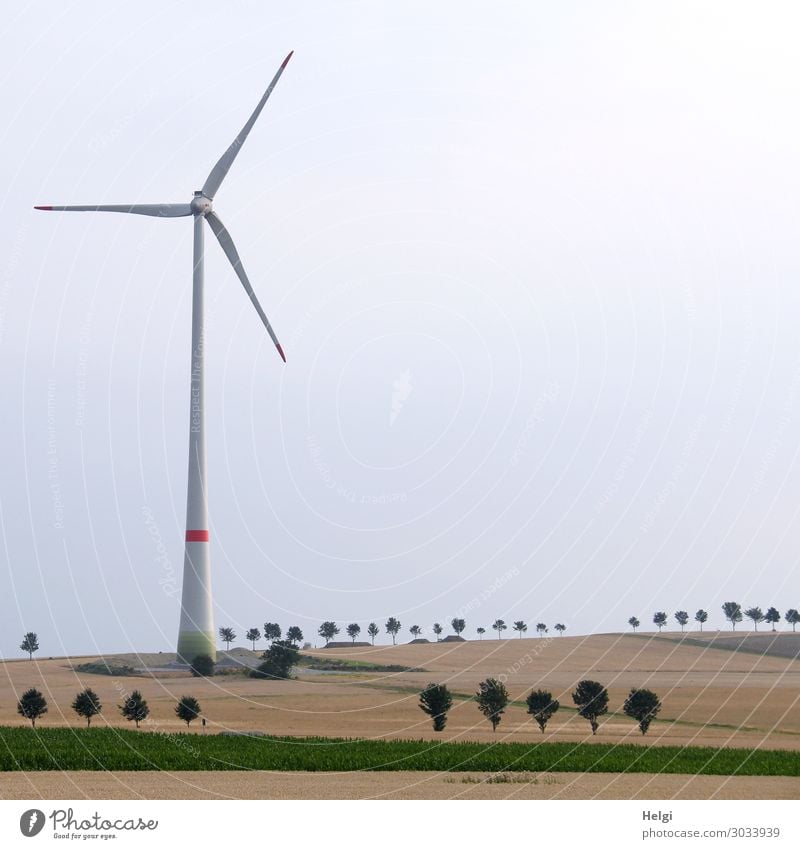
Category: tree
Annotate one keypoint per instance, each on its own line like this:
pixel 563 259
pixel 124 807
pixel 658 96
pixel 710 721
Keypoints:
pixel 634 623
pixel 32 705
pixel 642 705
pixel 272 631
pixel 294 635
pixel 227 635
pixel 499 625
pixel 702 617
pixel 682 617
pixel 756 614
pixel 481 632
pixel 202 666
pixel 187 709
pixel 541 706
pixel 393 628
pixel 772 617
pixel 87 704
pixel 328 630
pixel 415 631
pixel 660 619
pixel 277 661
pixel 458 625
pixel 560 627
pixel 792 617
pixel 520 627
pixel 591 699
pixel 436 701
pixel 437 629
pixel 733 612
pixel 492 698
pixel 373 630
pixel 353 630
pixel 541 629
pixel 253 636
pixel 30 644
pixel 135 708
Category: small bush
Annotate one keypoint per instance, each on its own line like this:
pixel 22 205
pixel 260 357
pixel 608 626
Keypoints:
pixel 202 666
pixel 277 660
pixel 100 667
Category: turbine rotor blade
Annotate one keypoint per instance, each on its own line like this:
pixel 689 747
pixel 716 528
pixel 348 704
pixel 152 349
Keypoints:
pixel 225 240
pixel 218 172
pixel 157 210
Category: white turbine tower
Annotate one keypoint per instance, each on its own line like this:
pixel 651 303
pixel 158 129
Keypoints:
pixel 196 631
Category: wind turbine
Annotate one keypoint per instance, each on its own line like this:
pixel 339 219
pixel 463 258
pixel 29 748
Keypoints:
pixel 196 632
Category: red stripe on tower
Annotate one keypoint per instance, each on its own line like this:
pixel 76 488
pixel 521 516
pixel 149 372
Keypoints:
pixel 196 536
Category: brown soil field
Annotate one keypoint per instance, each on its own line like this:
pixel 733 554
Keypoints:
pixel 768 642
pixel 711 696
pixel 387 785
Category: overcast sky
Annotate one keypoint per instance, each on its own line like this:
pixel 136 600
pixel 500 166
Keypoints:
pixel 535 269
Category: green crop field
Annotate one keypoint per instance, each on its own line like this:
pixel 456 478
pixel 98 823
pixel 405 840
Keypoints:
pixel 109 749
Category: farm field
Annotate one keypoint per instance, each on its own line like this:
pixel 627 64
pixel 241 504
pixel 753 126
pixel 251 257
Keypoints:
pixel 712 697
pixel 386 785
pixel 109 749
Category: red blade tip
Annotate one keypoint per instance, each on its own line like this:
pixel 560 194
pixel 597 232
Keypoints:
pixel 49 208
pixel 286 60
pixel 280 351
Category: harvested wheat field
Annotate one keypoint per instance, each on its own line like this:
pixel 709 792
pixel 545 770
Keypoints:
pixel 386 785
pixel 711 696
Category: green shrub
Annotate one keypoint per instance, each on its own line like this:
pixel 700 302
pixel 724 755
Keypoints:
pixel 202 666
pixel 277 660
pixel 100 667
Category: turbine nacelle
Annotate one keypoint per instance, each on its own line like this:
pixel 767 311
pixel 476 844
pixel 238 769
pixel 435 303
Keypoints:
pixel 200 205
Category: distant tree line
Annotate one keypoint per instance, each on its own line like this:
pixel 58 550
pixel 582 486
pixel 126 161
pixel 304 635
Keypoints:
pixel 272 632
pixel 329 630
pixel 733 614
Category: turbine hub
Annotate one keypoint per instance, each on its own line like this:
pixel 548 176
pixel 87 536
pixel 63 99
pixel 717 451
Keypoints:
pixel 200 204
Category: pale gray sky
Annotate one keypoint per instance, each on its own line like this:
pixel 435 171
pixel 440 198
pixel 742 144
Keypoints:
pixel 535 270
